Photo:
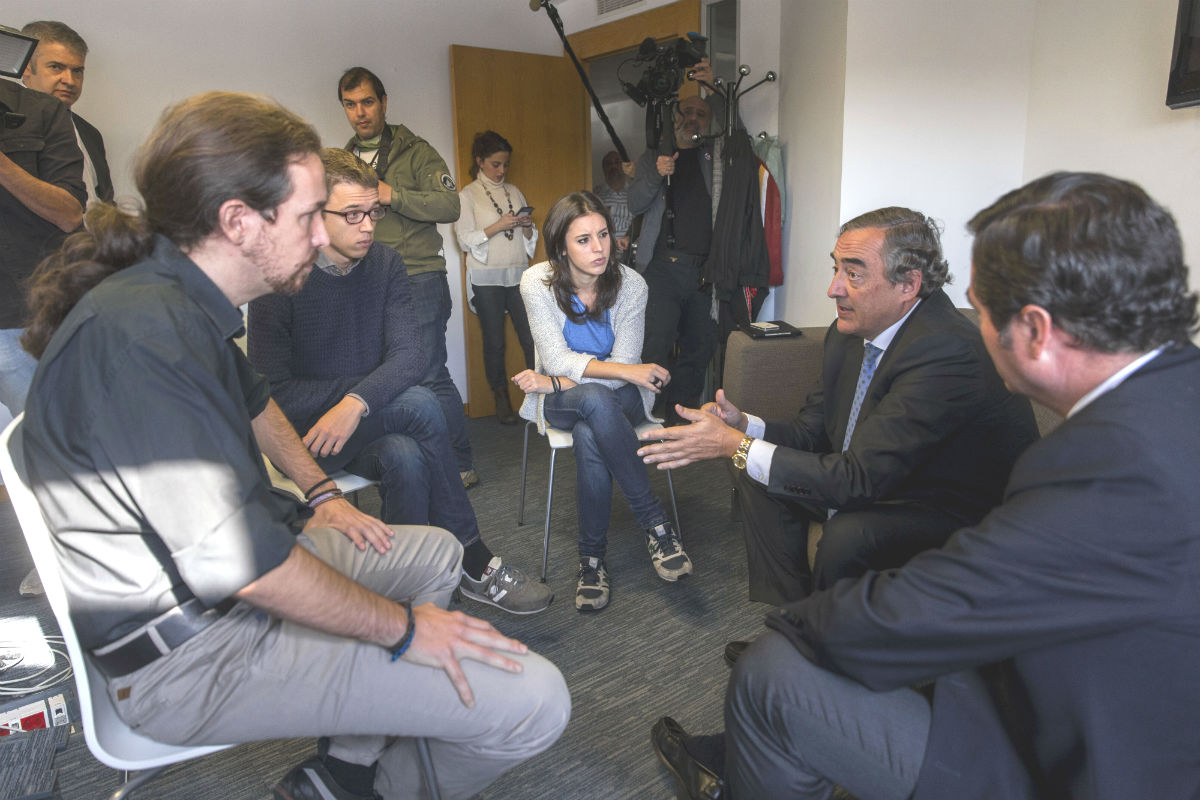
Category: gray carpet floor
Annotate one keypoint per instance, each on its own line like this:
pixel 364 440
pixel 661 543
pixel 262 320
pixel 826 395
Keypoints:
pixel 657 649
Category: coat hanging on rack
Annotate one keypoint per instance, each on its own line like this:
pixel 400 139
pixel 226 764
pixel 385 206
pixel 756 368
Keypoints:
pixel 738 258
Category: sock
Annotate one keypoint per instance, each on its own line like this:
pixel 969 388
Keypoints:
pixel 476 558
pixel 709 750
pixel 354 778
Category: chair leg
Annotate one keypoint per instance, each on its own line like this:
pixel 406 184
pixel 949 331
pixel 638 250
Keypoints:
pixel 427 769
pixel 549 505
pixel 138 780
pixel 674 507
pixel 524 467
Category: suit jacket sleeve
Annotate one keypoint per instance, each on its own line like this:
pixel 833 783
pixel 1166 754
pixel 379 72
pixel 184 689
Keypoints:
pixel 1067 556
pixel 924 389
pixel 430 199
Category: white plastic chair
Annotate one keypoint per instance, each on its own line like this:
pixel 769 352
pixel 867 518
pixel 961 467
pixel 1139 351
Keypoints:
pixel 111 741
pixel 559 439
pixel 349 483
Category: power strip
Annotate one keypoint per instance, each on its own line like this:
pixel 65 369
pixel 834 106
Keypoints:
pixel 48 708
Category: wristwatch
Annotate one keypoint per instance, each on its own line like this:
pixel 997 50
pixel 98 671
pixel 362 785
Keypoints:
pixel 739 458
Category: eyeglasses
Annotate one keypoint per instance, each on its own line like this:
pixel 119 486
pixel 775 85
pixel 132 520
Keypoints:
pixel 354 217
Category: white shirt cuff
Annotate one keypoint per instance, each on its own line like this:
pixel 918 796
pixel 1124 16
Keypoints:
pixel 758 461
pixel 755 426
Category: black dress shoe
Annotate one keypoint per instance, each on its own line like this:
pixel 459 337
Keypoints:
pixel 695 781
pixel 733 651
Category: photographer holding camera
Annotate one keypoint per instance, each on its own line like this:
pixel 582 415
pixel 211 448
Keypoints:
pixel 673 190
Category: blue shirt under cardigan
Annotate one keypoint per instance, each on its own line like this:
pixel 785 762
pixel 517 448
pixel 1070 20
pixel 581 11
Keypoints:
pixel 594 337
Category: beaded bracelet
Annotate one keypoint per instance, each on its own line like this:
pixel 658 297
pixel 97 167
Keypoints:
pixel 401 647
pixel 332 494
pixel 315 486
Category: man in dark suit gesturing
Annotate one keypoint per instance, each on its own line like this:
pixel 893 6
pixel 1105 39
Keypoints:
pixel 1063 630
pixel 910 436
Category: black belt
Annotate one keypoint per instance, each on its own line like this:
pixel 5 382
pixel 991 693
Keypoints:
pixel 679 257
pixel 158 637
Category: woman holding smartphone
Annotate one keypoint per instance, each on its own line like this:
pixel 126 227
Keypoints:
pixel 587 314
pixel 497 233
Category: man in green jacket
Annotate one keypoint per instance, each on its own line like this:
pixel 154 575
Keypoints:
pixel 416 189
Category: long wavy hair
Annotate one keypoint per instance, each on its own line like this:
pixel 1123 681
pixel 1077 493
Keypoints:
pixel 566 210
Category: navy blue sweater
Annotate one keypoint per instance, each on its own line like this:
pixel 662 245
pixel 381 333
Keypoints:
pixel 355 333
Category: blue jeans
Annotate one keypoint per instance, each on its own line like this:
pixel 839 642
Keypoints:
pixel 16 370
pixel 431 294
pixel 602 421
pixel 405 447
pixel 793 729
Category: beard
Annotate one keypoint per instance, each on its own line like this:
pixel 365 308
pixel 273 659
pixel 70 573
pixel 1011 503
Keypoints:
pixel 281 275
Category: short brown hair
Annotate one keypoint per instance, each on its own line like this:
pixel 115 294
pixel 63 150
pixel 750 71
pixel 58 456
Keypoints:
pixel 54 32
pixel 342 166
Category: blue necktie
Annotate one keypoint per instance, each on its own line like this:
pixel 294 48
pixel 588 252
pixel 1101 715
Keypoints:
pixel 870 359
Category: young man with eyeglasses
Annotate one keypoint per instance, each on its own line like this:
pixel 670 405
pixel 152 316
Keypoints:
pixel 345 362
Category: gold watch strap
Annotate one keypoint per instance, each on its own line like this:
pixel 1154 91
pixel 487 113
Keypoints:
pixel 739 458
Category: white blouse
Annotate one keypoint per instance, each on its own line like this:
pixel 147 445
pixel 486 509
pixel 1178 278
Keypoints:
pixel 497 261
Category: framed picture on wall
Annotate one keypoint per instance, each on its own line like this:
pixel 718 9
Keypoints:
pixel 1183 85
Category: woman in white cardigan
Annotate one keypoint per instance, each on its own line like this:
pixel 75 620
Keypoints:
pixel 587 315
pixel 498 241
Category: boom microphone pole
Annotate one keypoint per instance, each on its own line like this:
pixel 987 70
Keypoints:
pixel 552 12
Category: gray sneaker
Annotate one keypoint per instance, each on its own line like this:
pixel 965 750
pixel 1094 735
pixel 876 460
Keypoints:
pixel 591 594
pixel 507 589
pixel 666 552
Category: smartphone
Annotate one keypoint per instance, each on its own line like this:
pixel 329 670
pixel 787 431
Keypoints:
pixel 525 211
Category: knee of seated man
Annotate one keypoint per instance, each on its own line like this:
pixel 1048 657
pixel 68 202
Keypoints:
pixel 846 541
pixel 758 669
pixel 419 404
pixel 397 452
pixel 532 708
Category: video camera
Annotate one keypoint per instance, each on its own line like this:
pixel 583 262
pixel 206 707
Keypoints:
pixel 15 51
pixel 658 86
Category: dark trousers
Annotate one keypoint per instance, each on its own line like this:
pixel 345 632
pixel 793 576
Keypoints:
pixel 491 303
pixel 405 446
pixel 678 308
pixel 431 294
pixel 793 729
pixel 875 537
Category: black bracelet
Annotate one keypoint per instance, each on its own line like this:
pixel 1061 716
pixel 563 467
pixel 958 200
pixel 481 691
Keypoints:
pixel 315 486
pixel 400 647
pixel 326 496
pixel 554 382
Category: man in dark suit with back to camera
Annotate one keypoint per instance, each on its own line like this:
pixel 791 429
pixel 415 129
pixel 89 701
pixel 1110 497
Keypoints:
pixel 57 68
pixel 892 452
pixel 1062 631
